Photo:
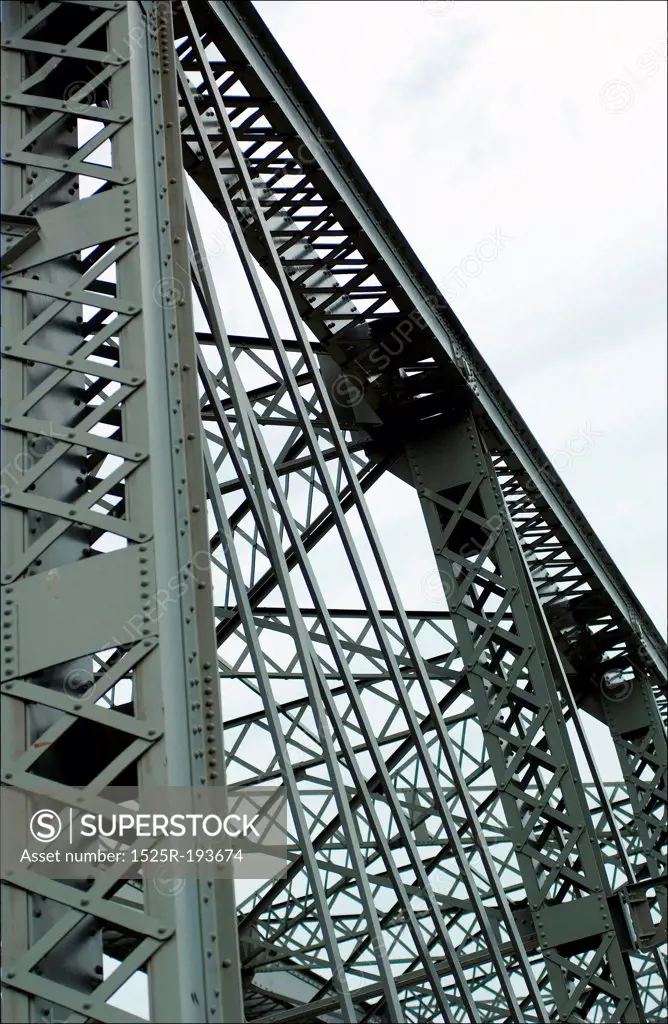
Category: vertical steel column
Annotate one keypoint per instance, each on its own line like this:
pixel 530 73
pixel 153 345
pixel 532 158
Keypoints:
pixel 612 674
pixel 182 673
pixel 640 741
pixel 108 514
pixel 512 670
pixel 78 961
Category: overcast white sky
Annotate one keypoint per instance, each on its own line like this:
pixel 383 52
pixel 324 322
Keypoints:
pixel 545 120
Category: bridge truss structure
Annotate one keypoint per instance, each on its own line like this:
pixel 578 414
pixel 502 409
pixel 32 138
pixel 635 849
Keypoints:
pixel 191 555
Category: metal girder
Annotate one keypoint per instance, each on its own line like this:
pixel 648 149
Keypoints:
pixel 102 498
pixel 306 144
pixel 513 676
pixel 290 107
pixel 448 860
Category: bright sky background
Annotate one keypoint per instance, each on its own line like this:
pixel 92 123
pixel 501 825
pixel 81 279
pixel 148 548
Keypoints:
pixel 547 121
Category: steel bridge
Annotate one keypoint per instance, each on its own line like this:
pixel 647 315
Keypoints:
pixel 189 550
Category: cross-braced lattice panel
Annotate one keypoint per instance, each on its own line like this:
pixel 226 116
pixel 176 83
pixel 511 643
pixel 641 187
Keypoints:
pixel 610 672
pixel 347 293
pixel 384 881
pixel 514 678
pixel 82 701
pixel 284 492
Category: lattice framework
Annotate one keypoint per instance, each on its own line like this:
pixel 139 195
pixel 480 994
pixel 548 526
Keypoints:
pixel 447 861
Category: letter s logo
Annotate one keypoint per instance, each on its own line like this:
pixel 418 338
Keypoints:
pixel 45 826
